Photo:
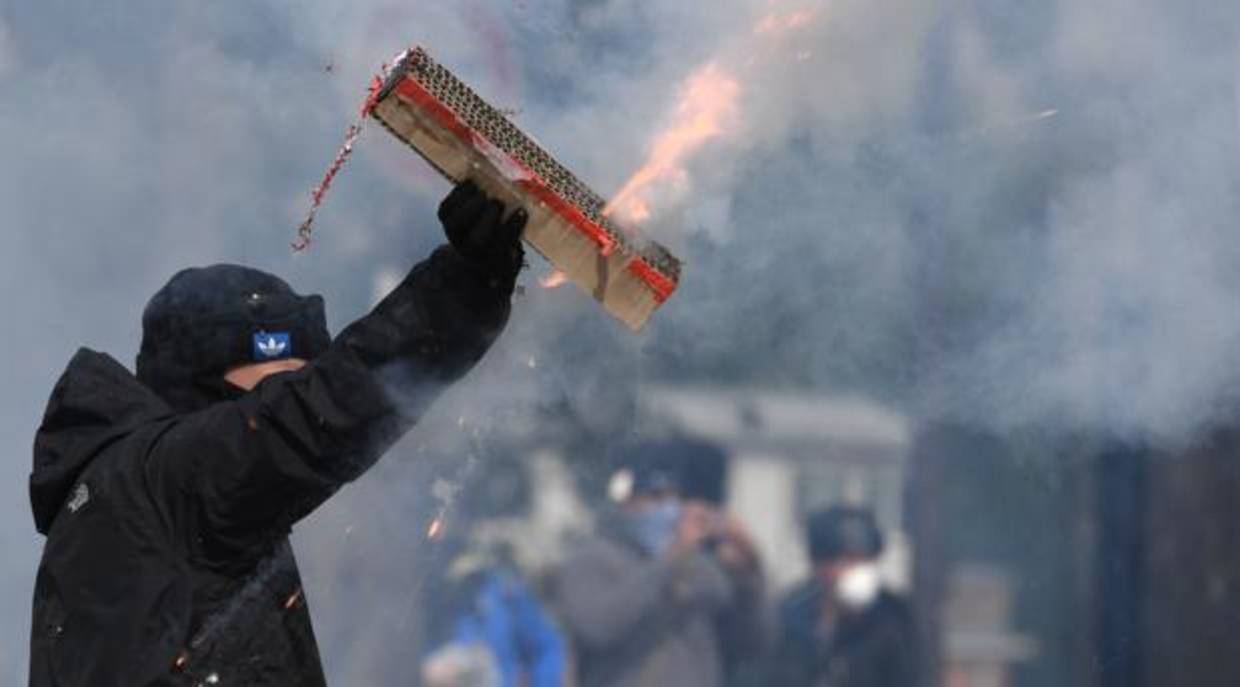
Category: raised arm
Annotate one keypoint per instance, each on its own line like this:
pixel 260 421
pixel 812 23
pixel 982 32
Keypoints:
pixel 242 472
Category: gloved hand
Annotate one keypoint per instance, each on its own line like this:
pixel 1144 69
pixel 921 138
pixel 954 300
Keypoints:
pixel 477 230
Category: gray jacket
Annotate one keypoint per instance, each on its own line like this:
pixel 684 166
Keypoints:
pixel 637 620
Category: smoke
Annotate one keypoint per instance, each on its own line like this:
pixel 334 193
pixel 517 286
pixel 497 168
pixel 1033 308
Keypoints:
pixel 8 54
pixel 893 217
pixel 1000 217
pixel 1128 323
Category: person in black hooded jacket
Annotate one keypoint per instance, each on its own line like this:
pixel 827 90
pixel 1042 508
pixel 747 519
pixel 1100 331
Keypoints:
pixel 841 628
pixel 167 498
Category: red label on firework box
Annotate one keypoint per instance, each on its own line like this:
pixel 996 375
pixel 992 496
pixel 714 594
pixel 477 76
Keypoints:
pixel 464 137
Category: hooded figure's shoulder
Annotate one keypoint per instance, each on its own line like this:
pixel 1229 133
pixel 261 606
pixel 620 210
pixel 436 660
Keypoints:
pixel 96 402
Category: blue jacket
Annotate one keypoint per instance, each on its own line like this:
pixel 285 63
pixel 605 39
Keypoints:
pixel 511 622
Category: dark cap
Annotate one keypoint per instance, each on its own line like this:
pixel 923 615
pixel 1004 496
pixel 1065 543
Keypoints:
pixel 703 469
pixel 653 467
pixel 206 321
pixel 693 468
pixel 842 532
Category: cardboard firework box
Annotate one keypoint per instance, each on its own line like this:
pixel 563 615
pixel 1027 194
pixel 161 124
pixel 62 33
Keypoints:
pixel 463 137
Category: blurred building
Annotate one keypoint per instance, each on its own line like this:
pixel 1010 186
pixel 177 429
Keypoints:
pixel 786 455
pixel 791 454
pixel 1075 560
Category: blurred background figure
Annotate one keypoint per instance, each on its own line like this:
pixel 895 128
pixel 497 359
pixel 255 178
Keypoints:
pixel 841 628
pixel 668 586
pixel 461 665
pixel 485 626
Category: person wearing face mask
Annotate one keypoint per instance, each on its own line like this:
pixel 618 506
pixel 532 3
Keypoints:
pixel 667 588
pixel 841 628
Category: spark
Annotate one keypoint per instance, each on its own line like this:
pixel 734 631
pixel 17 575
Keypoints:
pixel 436 527
pixel 553 280
pixel 1012 123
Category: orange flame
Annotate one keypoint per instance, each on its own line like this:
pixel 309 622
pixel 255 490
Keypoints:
pixel 554 280
pixel 707 104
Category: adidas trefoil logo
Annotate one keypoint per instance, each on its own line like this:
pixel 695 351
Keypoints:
pixel 271 348
pixel 272 345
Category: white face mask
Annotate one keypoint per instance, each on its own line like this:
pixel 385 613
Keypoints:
pixel 859 586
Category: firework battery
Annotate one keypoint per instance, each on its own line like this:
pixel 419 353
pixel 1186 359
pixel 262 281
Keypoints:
pixel 463 137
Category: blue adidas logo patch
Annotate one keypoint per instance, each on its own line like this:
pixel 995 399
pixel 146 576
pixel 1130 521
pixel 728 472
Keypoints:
pixel 272 346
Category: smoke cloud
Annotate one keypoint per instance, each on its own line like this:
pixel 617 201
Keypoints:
pixel 1005 213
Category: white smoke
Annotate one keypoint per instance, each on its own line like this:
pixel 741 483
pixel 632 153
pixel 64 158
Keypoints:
pixel 8 51
pixel 895 217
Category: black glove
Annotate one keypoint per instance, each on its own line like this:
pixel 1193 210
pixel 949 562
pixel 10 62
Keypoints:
pixel 477 230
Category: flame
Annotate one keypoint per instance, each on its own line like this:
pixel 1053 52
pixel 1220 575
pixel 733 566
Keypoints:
pixel 708 102
pixel 708 106
pixel 554 280
pixel 637 210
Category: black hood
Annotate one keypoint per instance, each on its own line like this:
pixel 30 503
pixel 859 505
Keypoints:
pixel 95 402
pixel 207 320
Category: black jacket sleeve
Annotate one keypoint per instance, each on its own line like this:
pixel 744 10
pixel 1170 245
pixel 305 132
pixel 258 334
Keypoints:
pixel 238 474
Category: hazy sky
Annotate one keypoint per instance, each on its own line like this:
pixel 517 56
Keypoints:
pixel 1004 212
